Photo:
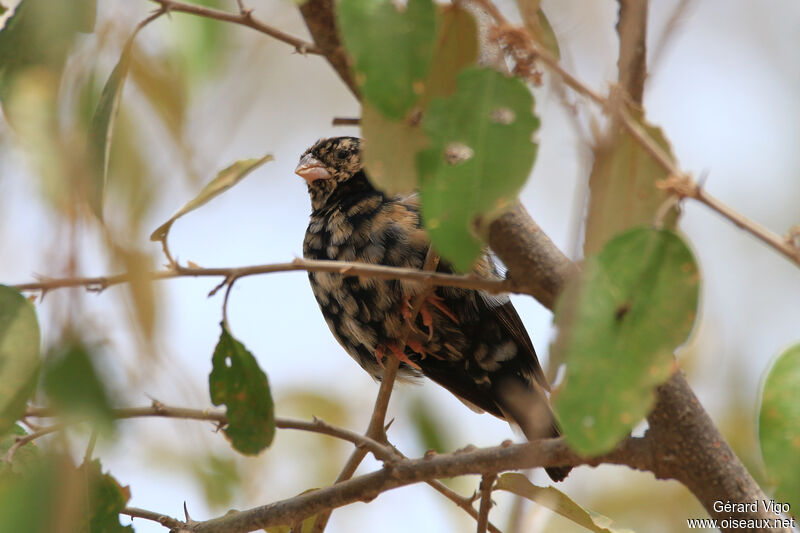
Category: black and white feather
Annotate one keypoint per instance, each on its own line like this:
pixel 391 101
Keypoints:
pixel 470 342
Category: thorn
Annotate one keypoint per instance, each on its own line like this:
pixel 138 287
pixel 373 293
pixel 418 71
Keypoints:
pixel 388 425
pixel 466 449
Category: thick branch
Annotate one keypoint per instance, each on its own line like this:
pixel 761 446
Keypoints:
pixel 690 449
pixel 632 64
pixel 321 22
pixel 548 452
pixel 536 266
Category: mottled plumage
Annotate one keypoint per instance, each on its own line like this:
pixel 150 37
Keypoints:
pixel 470 342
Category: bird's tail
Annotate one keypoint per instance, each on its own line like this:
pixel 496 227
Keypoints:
pixel 529 408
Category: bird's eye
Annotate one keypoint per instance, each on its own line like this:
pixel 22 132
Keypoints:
pixel 341 153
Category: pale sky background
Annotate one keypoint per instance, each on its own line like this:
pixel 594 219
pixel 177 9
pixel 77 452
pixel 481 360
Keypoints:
pixel 724 90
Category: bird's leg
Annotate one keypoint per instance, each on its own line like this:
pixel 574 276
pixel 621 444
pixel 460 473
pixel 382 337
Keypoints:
pixel 380 350
pixel 425 312
pixel 407 312
pixel 438 303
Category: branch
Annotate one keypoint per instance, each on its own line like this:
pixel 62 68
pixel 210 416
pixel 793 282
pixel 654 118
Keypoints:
pixel 684 186
pixel 689 448
pixel 245 18
pixel 321 22
pixel 547 452
pixel 632 30
pixel 364 270
pixel 487 482
pixel 164 520
pixel 381 451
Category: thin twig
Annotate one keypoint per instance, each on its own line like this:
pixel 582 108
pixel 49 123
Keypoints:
pixel 461 501
pixel 164 520
pixel 22 440
pixel 685 187
pixel 381 451
pixel 487 482
pixel 230 282
pixel 87 455
pixel 244 18
pixel 345 121
pixel 364 270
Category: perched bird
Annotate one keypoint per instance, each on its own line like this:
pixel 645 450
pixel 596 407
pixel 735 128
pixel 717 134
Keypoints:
pixel 470 342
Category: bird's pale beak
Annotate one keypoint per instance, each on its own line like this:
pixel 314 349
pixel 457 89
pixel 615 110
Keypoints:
pixel 311 169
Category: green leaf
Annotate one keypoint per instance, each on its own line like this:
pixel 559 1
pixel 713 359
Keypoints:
pixel 456 48
pixel 34 501
pixel 74 386
pixel 29 502
pixel 556 501
pixel 623 187
pixel 19 355
pixel 779 425
pixel 237 381
pixel 480 155
pixel 226 178
pixel 390 151
pixel 40 34
pixel 618 325
pixel 25 458
pixel 391 50
pixel 102 128
pixel 107 498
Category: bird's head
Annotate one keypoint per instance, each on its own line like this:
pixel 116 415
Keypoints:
pixel 329 163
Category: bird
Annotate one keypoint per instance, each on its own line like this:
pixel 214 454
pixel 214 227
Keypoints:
pixel 470 342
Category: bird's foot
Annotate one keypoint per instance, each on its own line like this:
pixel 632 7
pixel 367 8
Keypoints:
pixel 380 352
pixel 425 312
